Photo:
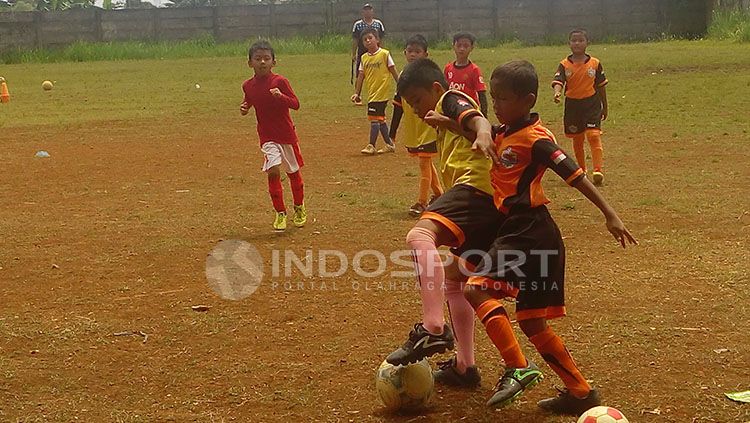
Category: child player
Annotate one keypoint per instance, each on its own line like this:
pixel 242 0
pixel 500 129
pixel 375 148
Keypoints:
pixel 464 217
pixel 535 273
pixel 584 82
pixel 463 75
pixel 375 69
pixel 272 97
pixel 419 137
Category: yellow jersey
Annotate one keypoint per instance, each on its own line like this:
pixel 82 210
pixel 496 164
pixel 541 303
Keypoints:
pixel 458 163
pixel 376 67
pixel 416 131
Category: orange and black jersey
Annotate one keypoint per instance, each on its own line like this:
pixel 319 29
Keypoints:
pixel 526 149
pixel 581 80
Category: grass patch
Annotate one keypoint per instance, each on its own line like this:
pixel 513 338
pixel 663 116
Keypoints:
pixel 733 25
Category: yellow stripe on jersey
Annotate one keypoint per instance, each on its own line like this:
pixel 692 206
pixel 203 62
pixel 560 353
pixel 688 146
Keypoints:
pixel 377 75
pixel 416 131
pixel 458 163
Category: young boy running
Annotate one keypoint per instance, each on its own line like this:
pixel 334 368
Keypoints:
pixel 272 97
pixel 522 151
pixel 419 138
pixel 376 69
pixel 583 79
pixel 464 217
pixel 463 75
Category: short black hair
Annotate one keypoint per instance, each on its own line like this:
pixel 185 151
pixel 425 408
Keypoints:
pixel 468 35
pixel 579 31
pixel 261 45
pixel 416 40
pixel 421 73
pixel 518 75
pixel 372 31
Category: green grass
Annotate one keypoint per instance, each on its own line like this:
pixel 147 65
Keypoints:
pixel 733 25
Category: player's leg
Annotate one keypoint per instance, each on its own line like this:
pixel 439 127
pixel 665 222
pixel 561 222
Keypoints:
pixel 579 149
pixel 578 395
pixel 276 191
pixel 374 131
pixel 594 136
pixel 378 113
pixel 273 157
pixel 425 178
pixel 460 370
pixel 432 335
pixel 291 163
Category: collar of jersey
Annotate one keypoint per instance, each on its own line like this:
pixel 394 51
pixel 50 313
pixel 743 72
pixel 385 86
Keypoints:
pixel 521 124
pixel 570 59
pixel 376 51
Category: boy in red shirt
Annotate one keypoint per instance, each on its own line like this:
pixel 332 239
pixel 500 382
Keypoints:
pixel 272 97
pixel 463 75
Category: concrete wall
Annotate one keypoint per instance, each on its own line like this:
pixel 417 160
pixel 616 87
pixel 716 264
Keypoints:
pixel 532 20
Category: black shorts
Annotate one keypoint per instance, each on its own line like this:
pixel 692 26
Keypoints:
pixel 582 114
pixel 376 110
pixel 527 261
pixel 428 148
pixel 471 216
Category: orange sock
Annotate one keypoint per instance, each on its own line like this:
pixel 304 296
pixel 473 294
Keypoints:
pixel 552 349
pixel 425 179
pixel 437 189
pixel 578 140
pixel 597 151
pixel 495 320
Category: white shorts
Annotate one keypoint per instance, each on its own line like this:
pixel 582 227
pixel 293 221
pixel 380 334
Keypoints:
pixel 286 155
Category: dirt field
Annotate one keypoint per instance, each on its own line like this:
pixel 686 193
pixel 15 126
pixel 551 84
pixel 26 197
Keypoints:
pixel 147 174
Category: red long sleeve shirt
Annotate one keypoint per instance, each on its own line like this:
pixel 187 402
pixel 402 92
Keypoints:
pixel 274 122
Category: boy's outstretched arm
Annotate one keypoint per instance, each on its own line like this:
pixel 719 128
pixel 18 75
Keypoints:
pixel 614 224
pixel 483 142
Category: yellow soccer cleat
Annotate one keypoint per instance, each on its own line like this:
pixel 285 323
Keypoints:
pixel 279 224
pixel 300 216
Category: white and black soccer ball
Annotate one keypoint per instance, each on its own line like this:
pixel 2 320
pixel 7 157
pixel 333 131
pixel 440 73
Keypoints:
pixel 407 387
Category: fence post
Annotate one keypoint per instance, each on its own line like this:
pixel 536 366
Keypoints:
pixel 38 41
pixel 550 17
pixel 215 22
pixel 440 23
pixel 494 19
pixel 156 19
pixel 605 25
pixel 98 30
pixel 272 20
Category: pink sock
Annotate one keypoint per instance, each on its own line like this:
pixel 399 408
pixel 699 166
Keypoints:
pixel 430 275
pixel 462 319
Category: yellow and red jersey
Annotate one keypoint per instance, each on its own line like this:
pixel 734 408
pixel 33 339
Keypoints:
pixel 376 67
pixel 526 149
pixel 581 80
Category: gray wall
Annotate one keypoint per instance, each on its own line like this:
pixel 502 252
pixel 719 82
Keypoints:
pixel 531 20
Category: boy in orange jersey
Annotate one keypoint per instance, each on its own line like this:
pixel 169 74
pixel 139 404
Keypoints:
pixel 582 78
pixel 419 138
pixel 527 258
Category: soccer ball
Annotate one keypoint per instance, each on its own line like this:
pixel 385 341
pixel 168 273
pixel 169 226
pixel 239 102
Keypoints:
pixel 407 387
pixel 47 85
pixel 602 414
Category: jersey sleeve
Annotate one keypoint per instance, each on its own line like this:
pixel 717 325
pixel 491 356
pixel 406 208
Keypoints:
pixel 246 94
pixel 559 78
pixel 381 29
pixel 479 84
pixel 355 31
pixel 601 79
pixel 288 97
pixel 459 109
pixel 549 154
pixel 389 61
